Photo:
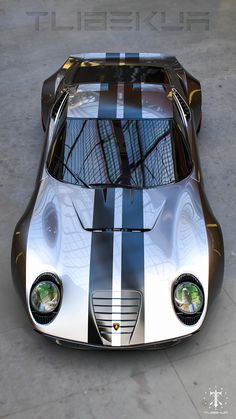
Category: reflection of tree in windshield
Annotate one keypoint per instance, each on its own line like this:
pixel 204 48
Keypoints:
pixel 131 153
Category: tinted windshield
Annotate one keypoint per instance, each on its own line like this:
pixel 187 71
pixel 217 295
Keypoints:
pixel 124 153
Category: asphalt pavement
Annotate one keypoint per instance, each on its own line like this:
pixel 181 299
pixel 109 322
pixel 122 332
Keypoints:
pixel 42 380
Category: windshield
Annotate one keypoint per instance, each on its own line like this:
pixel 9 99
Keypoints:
pixel 119 153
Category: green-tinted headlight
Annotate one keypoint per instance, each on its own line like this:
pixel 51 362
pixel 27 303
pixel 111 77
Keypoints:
pixel 45 297
pixel 188 298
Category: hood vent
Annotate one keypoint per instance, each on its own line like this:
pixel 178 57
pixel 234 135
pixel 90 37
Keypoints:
pixel 182 105
pixel 59 105
pixel 100 218
pixel 122 229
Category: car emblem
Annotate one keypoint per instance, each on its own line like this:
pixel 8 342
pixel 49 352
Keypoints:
pixel 116 326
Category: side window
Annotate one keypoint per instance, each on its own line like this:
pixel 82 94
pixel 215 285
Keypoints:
pixel 56 155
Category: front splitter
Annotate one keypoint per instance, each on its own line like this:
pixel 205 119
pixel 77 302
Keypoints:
pixel 87 346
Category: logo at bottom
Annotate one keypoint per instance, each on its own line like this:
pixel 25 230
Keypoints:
pixel 216 401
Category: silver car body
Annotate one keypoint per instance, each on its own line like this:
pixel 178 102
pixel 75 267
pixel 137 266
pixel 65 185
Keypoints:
pixel 178 235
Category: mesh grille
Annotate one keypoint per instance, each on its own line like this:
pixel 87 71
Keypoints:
pixel 44 319
pixel 113 310
pixel 189 320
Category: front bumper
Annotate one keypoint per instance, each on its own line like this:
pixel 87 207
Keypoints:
pixel 145 346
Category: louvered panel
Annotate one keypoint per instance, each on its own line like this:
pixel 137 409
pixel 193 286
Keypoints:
pixel 59 105
pixel 182 103
pixel 116 315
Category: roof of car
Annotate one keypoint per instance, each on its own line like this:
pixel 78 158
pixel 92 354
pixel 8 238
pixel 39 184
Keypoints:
pixel 120 101
pixel 125 57
pixel 119 85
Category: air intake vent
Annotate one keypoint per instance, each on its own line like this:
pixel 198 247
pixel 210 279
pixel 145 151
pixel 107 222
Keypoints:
pixel 182 105
pixel 59 105
pixel 189 320
pixel 116 315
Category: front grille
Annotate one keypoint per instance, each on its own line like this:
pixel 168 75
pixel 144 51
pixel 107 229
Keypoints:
pixel 116 310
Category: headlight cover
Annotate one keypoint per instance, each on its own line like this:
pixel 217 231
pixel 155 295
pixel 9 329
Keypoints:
pixel 188 299
pixel 45 298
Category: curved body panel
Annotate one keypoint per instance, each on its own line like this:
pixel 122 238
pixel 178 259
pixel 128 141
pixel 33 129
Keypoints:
pixel 58 243
pixel 117 251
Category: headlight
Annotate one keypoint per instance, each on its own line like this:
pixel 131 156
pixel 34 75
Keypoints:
pixel 45 297
pixel 188 298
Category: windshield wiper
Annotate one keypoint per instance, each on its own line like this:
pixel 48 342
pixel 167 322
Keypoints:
pixel 113 185
pixel 75 176
pixel 102 185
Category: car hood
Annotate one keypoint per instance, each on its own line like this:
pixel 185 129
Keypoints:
pixel 118 253
pixel 117 209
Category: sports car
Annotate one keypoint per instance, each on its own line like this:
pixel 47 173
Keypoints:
pixel 118 247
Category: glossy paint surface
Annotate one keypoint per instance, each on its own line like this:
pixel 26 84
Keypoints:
pixel 182 237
